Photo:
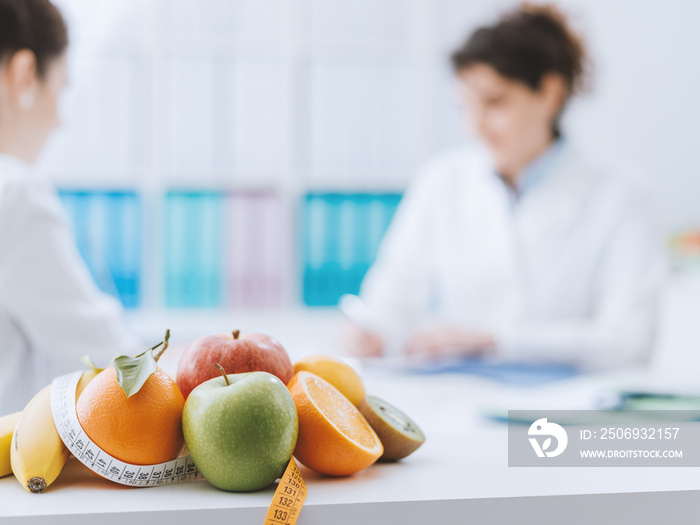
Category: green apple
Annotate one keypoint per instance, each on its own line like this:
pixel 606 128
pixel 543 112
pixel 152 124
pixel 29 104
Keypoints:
pixel 240 429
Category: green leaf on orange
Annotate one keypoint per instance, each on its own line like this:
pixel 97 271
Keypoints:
pixel 133 372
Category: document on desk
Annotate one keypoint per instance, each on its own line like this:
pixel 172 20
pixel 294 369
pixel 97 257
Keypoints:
pixel 508 372
pixel 603 406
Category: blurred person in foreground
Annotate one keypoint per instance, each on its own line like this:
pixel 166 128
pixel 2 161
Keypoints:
pixel 51 312
pixel 517 248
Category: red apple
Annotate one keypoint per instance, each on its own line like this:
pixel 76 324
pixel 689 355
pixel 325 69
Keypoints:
pixel 236 353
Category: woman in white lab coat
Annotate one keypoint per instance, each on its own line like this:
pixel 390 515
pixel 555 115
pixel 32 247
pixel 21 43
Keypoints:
pixel 517 247
pixel 51 312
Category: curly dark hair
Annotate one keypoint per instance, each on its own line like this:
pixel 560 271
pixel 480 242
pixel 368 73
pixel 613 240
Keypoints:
pixel 526 44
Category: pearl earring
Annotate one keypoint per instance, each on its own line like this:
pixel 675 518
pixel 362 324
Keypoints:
pixel 26 100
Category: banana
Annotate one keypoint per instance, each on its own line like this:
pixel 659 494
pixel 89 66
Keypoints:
pixel 37 453
pixel 7 426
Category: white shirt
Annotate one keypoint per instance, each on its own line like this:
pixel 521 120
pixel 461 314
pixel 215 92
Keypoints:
pixel 568 271
pixel 51 312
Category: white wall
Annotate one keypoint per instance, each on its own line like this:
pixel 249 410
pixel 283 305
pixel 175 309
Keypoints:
pixel 299 94
pixel 645 107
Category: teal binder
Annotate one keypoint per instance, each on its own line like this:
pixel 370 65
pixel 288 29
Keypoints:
pixel 194 249
pixel 341 233
pixel 107 225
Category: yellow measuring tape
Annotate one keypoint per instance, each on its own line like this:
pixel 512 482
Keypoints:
pixel 289 497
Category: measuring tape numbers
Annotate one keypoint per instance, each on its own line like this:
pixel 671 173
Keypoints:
pixel 286 504
pixel 289 497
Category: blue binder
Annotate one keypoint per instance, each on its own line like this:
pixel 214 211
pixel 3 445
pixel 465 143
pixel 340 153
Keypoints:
pixel 341 233
pixel 107 226
pixel 194 249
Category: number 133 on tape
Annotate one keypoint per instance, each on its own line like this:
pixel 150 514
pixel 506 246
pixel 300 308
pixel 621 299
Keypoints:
pixel 288 499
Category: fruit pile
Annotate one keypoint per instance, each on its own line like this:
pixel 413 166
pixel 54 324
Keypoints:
pixel 237 405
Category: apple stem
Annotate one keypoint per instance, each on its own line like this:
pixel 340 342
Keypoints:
pixel 159 352
pixel 223 373
pixel 236 333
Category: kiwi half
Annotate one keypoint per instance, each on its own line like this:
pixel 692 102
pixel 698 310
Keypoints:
pixel 397 432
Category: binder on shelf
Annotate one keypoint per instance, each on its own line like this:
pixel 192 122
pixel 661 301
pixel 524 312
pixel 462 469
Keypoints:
pixel 256 247
pixel 341 234
pixel 107 226
pixel 194 222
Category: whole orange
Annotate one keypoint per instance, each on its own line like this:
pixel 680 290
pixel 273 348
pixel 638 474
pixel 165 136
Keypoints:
pixel 143 429
pixel 337 373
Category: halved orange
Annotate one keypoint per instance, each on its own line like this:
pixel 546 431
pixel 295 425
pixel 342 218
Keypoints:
pixel 334 437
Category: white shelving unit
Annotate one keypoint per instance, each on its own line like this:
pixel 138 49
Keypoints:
pixel 284 95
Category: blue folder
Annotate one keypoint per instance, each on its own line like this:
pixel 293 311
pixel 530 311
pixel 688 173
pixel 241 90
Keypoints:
pixel 107 226
pixel 341 233
pixel 508 372
pixel 194 240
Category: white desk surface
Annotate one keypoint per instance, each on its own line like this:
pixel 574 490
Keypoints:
pixel 463 461
pixel 460 475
